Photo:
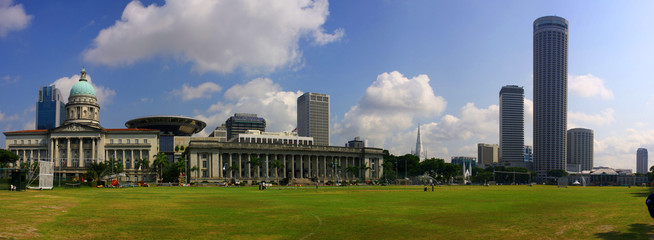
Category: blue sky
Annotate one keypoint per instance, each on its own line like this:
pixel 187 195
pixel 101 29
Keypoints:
pixel 388 65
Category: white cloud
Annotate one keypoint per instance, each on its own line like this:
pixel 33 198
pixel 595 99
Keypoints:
pixel 12 17
pixel 619 150
pixel 214 35
pixel 29 125
pixel 576 119
pixel 589 86
pixel 203 90
pixel 261 96
pixel 104 95
pixel 388 108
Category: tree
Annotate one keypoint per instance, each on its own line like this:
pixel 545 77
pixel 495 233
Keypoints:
pixel 176 148
pixel 196 170
pixel 432 167
pixel 557 173
pixel 96 171
pixel 7 157
pixel 276 164
pixel 352 170
pixel 389 173
pixel 160 162
pixel 449 171
pixel 233 169
pixel 256 163
pixel 365 168
pixel 335 166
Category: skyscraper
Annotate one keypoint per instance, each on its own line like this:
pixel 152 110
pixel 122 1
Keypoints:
pixel 641 161
pixel 580 148
pixel 550 93
pixel 50 109
pixel 313 117
pixel 512 125
pixel 487 154
pixel 241 122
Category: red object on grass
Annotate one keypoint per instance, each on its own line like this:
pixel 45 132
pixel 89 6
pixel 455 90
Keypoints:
pixel 114 182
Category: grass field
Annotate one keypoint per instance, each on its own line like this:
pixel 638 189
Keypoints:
pixel 451 212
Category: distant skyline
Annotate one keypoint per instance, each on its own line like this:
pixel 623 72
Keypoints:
pixel 387 66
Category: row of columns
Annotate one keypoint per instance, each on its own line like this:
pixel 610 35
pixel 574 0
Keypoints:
pixel 55 153
pixel 140 153
pixel 321 167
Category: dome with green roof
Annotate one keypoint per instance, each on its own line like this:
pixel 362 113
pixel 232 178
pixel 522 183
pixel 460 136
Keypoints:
pixel 83 87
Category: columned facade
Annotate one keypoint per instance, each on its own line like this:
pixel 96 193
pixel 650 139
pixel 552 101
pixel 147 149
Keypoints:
pixel 296 163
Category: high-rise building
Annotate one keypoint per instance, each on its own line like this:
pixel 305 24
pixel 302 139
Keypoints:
pixel 641 161
pixel 529 154
pixel 50 109
pixel 512 125
pixel 241 122
pixel 487 154
pixel 550 93
pixel 313 117
pixel 580 149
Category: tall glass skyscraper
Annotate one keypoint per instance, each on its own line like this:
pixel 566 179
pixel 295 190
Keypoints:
pixel 641 161
pixel 512 125
pixel 50 108
pixel 550 93
pixel 313 117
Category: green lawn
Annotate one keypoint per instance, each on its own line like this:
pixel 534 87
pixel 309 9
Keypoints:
pixel 451 212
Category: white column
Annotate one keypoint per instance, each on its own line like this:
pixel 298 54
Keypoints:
pixel 93 154
pixel 69 156
pixel 81 152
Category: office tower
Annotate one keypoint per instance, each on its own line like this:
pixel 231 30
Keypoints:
pixel 550 93
pixel 580 149
pixel 487 154
pixel 641 161
pixel 50 109
pixel 313 117
pixel 512 125
pixel 241 122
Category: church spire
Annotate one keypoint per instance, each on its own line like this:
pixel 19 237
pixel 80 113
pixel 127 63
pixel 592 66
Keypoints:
pixel 419 151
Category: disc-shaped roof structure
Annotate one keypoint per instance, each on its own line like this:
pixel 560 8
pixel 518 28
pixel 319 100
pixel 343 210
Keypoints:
pixel 177 125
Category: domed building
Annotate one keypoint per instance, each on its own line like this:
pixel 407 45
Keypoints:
pixel 81 140
pixel 82 106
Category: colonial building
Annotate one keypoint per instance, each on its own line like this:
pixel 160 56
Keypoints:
pixel 222 161
pixel 81 140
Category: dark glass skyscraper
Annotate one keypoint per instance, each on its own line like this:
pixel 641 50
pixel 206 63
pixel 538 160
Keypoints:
pixel 641 161
pixel 241 122
pixel 50 108
pixel 550 93
pixel 512 125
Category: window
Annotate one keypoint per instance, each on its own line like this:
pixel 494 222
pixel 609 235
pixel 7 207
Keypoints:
pixel 29 141
pixel 120 141
pixel 14 141
pixel 204 155
pixel 22 141
pixel 127 141
pixel 204 164
pixel 111 141
pixel 205 173
pixel 136 141
pixel 145 141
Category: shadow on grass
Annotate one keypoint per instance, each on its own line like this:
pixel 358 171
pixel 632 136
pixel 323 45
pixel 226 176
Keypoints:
pixel 636 231
pixel 640 194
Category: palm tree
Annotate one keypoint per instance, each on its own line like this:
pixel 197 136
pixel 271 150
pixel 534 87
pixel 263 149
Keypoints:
pixel 160 162
pixel 365 168
pixel 352 170
pixel 276 164
pixel 95 171
pixel 143 164
pixel 255 162
pixel 335 166
pixel 233 169
pixel 195 169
